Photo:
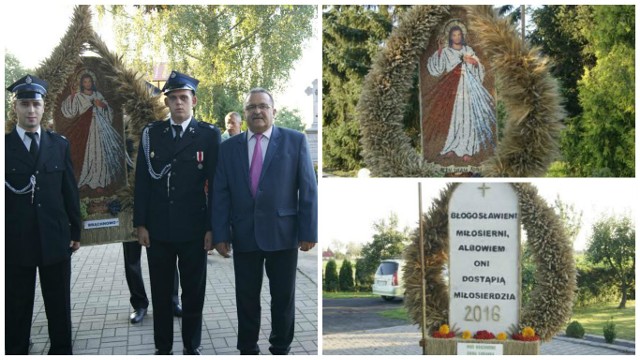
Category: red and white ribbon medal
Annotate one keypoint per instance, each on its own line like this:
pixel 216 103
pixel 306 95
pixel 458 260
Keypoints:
pixel 200 158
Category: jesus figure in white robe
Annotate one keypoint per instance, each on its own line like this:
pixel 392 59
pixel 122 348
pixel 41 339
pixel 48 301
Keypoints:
pixel 97 148
pixel 465 109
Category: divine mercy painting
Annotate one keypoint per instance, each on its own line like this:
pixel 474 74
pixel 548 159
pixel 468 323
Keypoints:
pixel 91 119
pixel 458 108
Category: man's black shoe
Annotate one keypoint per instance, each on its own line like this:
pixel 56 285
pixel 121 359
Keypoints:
pixel 138 315
pixel 163 352
pixel 177 310
pixel 191 352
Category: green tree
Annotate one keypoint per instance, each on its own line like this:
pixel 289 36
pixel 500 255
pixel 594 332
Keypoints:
pixel 556 34
pixel 601 141
pixel 571 217
pixel 388 243
pixel 596 283
pixel 13 70
pixel 613 244
pixel 331 283
pixel 364 279
pixel 352 35
pixel 290 119
pixel 346 276
pixel 229 48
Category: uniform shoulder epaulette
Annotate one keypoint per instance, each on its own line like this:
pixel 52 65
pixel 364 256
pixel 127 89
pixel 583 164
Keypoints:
pixel 206 125
pixel 51 132
pixel 154 123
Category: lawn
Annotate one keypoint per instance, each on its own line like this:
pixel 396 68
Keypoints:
pixel 399 313
pixel 347 295
pixel 594 317
pixel 591 317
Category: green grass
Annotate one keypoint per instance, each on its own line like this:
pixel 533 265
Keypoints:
pixel 347 295
pixel 593 318
pixel 399 313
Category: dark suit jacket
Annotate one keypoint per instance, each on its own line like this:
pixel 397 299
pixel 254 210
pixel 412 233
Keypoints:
pixel 285 210
pixel 181 215
pixel 56 206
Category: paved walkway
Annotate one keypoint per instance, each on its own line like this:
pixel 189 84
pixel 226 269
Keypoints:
pixel 100 308
pixel 404 340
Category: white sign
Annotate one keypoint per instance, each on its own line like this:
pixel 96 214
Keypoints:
pixel 479 349
pixel 484 247
pixel 102 223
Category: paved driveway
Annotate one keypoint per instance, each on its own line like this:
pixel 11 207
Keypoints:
pixel 346 315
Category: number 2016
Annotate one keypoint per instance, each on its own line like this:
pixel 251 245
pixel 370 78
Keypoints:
pixel 476 313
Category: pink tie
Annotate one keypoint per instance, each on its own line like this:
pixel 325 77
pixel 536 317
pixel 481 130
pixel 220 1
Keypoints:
pixel 256 165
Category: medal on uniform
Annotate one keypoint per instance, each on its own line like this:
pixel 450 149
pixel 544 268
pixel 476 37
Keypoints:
pixel 200 158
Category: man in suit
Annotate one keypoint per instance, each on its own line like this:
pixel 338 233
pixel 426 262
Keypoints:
pixel 171 211
pixel 42 222
pixel 265 204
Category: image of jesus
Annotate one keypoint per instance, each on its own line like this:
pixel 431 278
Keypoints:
pixel 464 110
pixel 97 148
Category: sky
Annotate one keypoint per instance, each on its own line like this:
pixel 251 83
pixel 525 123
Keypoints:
pixel 35 44
pixel 349 207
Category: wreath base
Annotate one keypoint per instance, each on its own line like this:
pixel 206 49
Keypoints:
pixel 510 347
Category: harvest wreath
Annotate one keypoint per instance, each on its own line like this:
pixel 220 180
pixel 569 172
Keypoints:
pixel 555 278
pixel 529 93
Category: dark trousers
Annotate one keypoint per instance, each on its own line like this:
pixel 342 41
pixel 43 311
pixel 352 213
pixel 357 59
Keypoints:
pixel 281 271
pixel 192 263
pixel 133 272
pixel 20 285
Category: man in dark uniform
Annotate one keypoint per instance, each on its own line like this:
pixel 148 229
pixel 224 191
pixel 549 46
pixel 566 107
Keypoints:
pixel 132 251
pixel 171 211
pixel 42 222
pixel 133 272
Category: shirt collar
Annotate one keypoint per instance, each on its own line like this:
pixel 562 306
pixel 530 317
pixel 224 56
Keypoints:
pixel 184 124
pixel 22 131
pixel 266 134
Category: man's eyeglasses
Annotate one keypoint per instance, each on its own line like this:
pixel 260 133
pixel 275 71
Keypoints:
pixel 259 106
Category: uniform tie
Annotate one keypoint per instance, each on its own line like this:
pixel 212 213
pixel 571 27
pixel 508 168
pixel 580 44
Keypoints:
pixel 33 148
pixel 178 130
pixel 256 165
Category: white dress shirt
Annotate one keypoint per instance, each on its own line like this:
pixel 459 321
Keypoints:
pixel 27 140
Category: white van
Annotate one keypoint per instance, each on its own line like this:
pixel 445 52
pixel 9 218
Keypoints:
pixel 387 281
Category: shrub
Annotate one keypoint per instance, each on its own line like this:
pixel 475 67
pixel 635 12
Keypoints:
pixel 331 276
pixel 609 330
pixel 364 279
pixel 575 330
pixel 346 276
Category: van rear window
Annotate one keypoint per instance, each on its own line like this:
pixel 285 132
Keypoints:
pixel 387 268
